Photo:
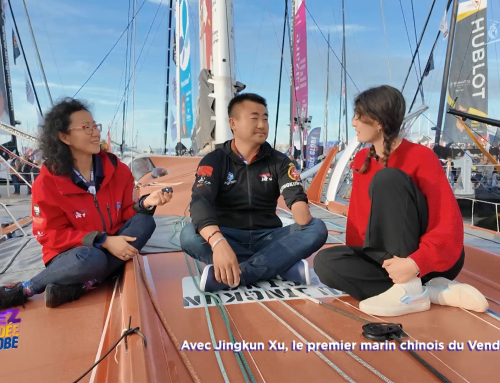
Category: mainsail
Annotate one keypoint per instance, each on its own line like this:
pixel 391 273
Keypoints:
pixel 468 84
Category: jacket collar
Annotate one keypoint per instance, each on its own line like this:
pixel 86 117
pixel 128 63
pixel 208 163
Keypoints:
pixel 65 183
pixel 227 147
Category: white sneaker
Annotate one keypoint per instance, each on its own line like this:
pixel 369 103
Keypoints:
pixel 400 299
pixel 444 292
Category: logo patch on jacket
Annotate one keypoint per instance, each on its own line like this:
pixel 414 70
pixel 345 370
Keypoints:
pixel 293 173
pixel 118 205
pixel 230 179
pixel 36 209
pixel 80 214
pixel 204 171
pixel 202 181
pixel 266 177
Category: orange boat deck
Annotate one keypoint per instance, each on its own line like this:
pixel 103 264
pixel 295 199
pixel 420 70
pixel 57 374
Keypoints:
pixel 58 345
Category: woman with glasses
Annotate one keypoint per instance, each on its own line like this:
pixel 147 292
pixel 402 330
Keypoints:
pixel 84 215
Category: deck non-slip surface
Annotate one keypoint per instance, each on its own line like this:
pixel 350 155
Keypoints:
pixel 256 324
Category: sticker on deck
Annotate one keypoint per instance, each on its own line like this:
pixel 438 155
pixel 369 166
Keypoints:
pixel 259 292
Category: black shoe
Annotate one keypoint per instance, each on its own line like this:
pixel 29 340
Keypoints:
pixel 12 295
pixel 56 295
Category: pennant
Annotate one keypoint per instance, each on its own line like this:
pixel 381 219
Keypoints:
pixel 443 27
pixel 15 47
pixel 430 66
pixel 175 50
pixel 173 128
pixel 30 96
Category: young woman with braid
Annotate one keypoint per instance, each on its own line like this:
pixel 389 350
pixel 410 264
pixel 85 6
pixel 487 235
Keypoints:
pixel 404 227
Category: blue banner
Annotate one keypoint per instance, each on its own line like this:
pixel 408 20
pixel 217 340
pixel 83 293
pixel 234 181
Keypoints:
pixel 184 62
pixel 312 147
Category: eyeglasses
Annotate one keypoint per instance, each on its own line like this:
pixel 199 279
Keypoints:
pixel 89 129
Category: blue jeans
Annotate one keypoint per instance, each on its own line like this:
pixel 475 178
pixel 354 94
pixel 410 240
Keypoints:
pixel 83 264
pixel 262 254
pixel 17 183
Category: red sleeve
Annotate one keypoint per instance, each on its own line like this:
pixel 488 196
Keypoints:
pixel 51 227
pixel 441 245
pixel 128 193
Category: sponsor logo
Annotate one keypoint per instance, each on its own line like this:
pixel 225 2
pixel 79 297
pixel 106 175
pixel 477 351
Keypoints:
pixel 204 171
pixel 118 205
pixel 293 173
pixel 289 185
pixel 202 181
pixel 39 234
pixel 80 214
pixel 266 177
pixel 230 179
pixel 36 209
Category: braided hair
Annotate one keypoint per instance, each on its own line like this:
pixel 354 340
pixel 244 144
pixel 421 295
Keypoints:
pixel 387 106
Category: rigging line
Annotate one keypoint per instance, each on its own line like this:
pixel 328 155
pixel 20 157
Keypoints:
pixel 281 72
pixel 256 51
pixel 113 47
pixel 386 42
pixel 330 47
pixel 127 72
pixel 137 61
pixel 351 354
pixel 416 42
pixel 321 355
pixel 50 44
pixel 478 317
pixel 408 36
pixel 420 41
pixel 465 54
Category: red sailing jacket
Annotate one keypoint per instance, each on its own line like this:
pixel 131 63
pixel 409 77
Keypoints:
pixel 66 216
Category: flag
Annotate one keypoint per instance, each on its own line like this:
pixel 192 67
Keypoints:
pixel 443 27
pixel 15 47
pixel 173 128
pixel 430 66
pixel 175 50
pixel 30 96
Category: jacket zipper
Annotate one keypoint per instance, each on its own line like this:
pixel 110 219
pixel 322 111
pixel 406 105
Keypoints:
pixel 249 197
pixel 109 213
pixel 99 210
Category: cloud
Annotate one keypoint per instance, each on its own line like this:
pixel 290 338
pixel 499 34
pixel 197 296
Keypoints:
pixel 349 28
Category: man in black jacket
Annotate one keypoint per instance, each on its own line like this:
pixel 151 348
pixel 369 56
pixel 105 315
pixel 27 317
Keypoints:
pixel 235 229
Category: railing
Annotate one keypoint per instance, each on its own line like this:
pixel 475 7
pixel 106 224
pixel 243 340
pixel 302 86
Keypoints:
pixel 496 205
pixel 14 219
pixel 23 180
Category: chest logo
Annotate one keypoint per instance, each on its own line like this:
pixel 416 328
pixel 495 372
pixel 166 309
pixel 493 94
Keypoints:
pixel 80 214
pixel 118 205
pixel 266 177
pixel 230 179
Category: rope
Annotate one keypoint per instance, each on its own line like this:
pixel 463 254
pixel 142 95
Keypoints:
pixel 165 324
pixel 355 357
pixel 281 72
pixel 323 357
pixel 386 43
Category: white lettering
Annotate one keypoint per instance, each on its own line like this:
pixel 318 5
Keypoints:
pixel 481 77
pixel 289 185
pixel 478 55
pixel 478 27
pixel 474 45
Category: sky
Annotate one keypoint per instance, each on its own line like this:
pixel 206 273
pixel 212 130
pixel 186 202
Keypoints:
pixel 73 38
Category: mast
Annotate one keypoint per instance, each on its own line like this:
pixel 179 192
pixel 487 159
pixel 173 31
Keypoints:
pixel 38 54
pixel 446 74
pixel 223 56
pixel 292 82
pixel 344 63
pixel 5 59
pixel 133 74
pixel 167 91
pixel 326 101
pixel 178 66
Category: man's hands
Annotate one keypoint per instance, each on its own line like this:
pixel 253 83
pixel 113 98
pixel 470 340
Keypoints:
pixel 400 270
pixel 157 198
pixel 119 246
pixel 226 267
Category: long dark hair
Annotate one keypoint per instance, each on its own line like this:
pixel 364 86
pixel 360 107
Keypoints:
pixel 387 106
pixel 55 153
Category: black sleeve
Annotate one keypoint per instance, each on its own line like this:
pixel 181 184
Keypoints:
pixel 290 183
pixel 204 192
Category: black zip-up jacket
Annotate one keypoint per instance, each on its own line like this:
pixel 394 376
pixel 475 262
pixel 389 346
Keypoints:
pixel 229 193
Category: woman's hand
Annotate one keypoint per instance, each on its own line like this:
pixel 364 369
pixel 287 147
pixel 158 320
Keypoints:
pixel 400 270
pixel 157 198
pixel 119 246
